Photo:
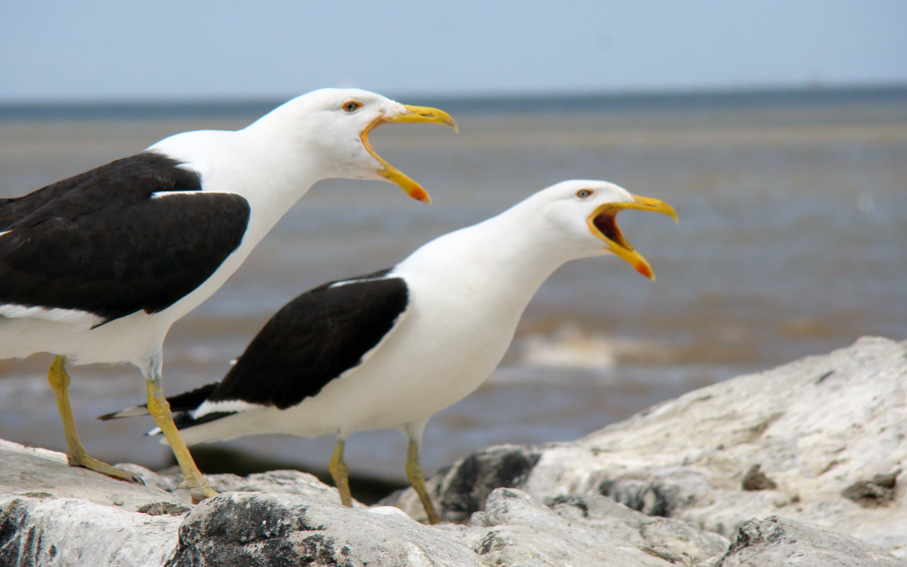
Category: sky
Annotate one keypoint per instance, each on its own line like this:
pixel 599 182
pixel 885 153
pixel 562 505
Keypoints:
pixel 65 51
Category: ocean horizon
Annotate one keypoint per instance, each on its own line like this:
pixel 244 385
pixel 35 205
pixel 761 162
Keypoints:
pixel 468 103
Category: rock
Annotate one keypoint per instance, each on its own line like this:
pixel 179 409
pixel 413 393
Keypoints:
pixel 813 450
pixel 81 518
pixel 878 491
pixel 755 479
pixel 816 427
pixel 516 529
pixel 778 542
pixel 461 489
pixel 242 528
pixel 26 472
pixel 50 531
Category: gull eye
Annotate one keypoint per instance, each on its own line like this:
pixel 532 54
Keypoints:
pixel 584 193
pixel 351 106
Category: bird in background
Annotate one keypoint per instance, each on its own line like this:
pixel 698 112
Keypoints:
pixel 97 267
pixel 392 348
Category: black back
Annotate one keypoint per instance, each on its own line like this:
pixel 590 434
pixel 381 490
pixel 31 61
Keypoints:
pixel 313 339
pixel 100 243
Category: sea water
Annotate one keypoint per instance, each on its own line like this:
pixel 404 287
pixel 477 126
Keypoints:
pixel 792 241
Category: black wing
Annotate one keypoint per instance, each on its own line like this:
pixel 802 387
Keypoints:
pixel 100 243
pixel 189 401
pixel 313 339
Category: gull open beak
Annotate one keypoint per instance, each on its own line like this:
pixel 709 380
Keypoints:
pixel 412 115
pixel 603 224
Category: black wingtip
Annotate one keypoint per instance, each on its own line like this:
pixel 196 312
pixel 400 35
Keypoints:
pixel 128 412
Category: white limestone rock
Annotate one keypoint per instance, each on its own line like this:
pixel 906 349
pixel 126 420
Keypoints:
pixel 516 529
pixel 817 427
pixel 40 473
pixel 670 486
pixel 780 542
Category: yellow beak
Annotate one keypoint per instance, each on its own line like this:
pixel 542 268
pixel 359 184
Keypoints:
pixel 412 115
pixel 603 224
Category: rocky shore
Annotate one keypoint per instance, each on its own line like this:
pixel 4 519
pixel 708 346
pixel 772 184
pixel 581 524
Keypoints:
pixel 799 465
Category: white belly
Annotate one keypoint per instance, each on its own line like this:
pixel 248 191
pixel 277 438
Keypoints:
pixel 128 339
pixel 133 338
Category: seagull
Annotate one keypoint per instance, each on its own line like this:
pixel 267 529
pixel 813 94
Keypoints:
pixel 392 348
pixel 97 267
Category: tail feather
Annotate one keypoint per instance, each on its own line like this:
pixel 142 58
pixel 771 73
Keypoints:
pixel 135 411
pixel 180 403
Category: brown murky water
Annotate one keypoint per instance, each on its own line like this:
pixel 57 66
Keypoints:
pixel 792 241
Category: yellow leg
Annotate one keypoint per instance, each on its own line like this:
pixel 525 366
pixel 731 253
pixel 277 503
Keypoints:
pixel 341 474
pixel 159 409
pixel 417 479
pixel 76 454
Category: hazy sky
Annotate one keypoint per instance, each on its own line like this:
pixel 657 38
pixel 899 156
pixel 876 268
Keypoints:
pixel 122 50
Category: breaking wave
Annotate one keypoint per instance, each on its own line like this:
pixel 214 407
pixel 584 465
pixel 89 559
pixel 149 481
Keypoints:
pixel 572 347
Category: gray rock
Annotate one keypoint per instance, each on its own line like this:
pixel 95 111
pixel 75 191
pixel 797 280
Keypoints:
pixel 516 529
pixel 755 479
pixel 46 531
pixel 27 472
pixel 113 523
pixel 816 447
pixel 251 529
pixel 816 427
pixel 777 542
pixel 461 489
pixel 877 491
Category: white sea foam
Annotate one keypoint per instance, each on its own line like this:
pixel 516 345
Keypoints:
pixel 574 348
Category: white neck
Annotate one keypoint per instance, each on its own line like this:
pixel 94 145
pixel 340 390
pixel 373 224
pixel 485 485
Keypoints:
pixel 508 257
pixel 271 176
pixel 251 163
